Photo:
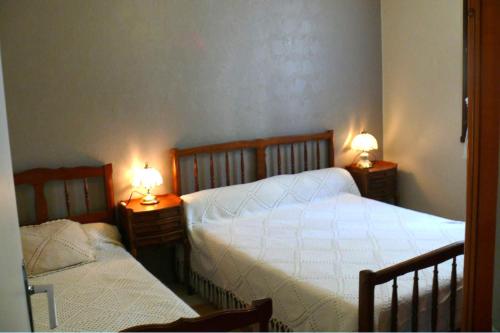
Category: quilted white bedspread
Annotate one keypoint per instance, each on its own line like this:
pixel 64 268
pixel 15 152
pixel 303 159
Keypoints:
pixel 110 294
pixel 303 239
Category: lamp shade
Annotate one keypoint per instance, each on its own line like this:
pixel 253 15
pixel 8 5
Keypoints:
pixel 364 142
pixel 147 178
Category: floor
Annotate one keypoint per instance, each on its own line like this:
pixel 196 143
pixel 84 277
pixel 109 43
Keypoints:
pixel 159 261
pixel 198 304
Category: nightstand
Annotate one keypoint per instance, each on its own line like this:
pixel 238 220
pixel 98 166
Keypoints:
pixel 150 225
pixel 378 182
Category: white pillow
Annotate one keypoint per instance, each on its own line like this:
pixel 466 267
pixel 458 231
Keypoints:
pixel 55 245
pixel 102 233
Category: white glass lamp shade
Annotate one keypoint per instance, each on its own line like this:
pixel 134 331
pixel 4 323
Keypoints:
pixel 364 142
pixel 147 178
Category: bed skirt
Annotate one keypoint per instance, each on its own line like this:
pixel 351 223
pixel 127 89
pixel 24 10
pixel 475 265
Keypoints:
pixel 224 299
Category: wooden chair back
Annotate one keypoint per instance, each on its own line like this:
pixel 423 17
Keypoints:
pixel 37 178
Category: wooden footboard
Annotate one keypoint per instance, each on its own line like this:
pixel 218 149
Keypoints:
pixel 258 313
pixel 369 279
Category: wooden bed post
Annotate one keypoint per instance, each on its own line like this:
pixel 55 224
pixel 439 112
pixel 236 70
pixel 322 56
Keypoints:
pixel 366 301
pixel 108 189
pixel 40 203
pixel 331 149
pixel 261 161
pixel 176 172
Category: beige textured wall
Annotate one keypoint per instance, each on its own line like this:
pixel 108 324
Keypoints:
pixel 13 307
pixel 422 93
pixel 91 81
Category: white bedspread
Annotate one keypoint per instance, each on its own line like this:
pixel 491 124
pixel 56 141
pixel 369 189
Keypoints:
pixel 303 239
pixel 110 294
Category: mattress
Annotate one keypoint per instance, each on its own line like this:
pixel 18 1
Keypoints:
pixel 110 294
pixel 303 239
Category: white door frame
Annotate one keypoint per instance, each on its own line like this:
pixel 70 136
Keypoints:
pixel 14 315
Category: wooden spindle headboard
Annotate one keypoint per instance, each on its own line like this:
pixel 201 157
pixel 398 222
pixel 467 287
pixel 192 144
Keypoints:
pixel 37 178
pixel 269 155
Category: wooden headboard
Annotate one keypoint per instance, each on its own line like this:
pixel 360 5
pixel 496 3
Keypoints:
pixel 270 156
pixel 38 178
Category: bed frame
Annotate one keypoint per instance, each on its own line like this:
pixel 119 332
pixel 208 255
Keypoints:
pixel 368 280
pixel 301 159
pixel 38 178
pixel 258 313
pixel 274 146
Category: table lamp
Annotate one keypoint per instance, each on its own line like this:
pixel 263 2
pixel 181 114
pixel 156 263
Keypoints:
pixel 147 178
pixel 364 142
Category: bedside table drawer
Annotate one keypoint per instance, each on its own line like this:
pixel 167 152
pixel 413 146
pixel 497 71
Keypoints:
pixel 157 215
pixel 377 195
pixel 381 184
pixel 152 227
pixel 160 238
pixel 382 174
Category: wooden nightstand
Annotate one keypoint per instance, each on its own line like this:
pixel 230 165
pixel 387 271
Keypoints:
pixel 378 182
pixel 149 225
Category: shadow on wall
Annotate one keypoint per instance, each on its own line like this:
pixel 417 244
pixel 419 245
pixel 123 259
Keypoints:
pixel 410 181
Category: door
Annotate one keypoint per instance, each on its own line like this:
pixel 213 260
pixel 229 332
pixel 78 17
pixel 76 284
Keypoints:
pixel 14 313
pixel 483 79
pixel 496 287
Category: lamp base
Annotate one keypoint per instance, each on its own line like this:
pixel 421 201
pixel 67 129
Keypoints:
pixel 364 162
pixel 149 199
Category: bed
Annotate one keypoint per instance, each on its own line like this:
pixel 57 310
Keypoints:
pixel 113 292
pixel 309 241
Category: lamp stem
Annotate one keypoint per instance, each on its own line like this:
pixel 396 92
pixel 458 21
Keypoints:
pixel 149 199
pixel 364 161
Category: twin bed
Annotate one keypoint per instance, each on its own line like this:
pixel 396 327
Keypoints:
pixel 275 229
pixel 111 294
pixel 113 291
